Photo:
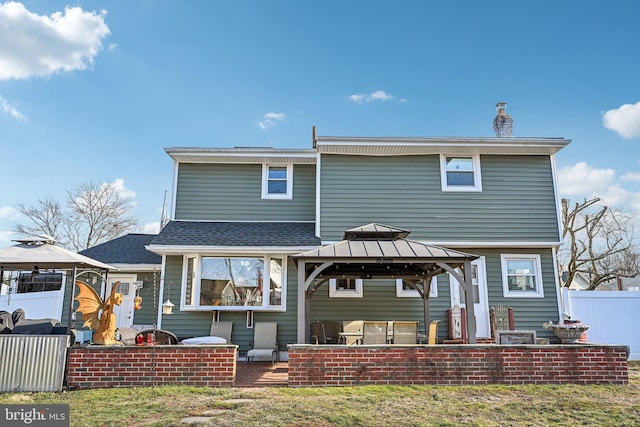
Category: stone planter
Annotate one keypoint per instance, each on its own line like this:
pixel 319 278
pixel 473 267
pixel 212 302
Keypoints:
pixel 569 333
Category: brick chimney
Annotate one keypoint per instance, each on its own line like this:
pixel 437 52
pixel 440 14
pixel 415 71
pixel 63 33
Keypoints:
pixel 503 123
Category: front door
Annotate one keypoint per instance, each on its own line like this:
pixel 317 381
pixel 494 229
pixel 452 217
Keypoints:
pixel 481 305
pixel 124 312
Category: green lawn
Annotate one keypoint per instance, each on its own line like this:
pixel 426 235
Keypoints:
pixel 354 406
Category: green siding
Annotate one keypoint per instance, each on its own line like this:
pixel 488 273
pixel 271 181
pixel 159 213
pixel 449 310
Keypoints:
pixel 232 192
pixel 517 202
pixel 198 323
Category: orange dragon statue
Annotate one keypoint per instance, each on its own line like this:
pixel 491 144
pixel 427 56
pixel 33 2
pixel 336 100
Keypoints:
pixel 103 324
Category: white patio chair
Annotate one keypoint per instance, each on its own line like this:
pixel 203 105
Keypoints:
pixel 405 332
pixel 374 332
pixel 265 341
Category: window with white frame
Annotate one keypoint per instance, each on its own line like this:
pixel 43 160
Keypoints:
pixel 345 288
pixel 460 173
pixel 404 290
pixel 277 181
pixel 233 283
pixel 521 276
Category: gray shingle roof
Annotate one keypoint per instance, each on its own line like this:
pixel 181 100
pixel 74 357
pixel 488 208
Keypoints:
pixel 128 249
pixel 194 233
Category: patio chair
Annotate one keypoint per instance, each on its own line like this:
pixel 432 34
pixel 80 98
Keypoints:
pixel 433 332
pixel 352 331
pixel 222 330
pixel 264 341
pixel 374 332
pixel 325 332
pixel 405 332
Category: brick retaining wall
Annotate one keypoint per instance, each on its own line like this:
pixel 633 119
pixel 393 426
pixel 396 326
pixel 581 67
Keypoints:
pixel 317 365
pixel 132 366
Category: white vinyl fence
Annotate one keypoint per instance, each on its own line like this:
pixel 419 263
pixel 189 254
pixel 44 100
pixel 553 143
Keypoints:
pixel 613 316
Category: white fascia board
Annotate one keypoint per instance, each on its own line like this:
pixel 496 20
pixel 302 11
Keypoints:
pixel 457 244
pixel 418 146
pixel 123 268
pixel 228 250
pixel 240 155
pixel 526 244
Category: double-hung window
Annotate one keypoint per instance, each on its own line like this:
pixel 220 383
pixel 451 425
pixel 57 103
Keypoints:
pixel 521 276
pixel 233 283
pixel 277 181
pixel 460 173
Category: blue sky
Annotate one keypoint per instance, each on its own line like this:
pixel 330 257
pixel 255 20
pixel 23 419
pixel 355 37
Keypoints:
pixel 95 90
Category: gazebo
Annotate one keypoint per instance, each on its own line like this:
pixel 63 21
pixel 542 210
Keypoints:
pixel 377 251
pixel 41 253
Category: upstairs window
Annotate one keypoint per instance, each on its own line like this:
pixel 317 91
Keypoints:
pixel 460 173
pixel 277 181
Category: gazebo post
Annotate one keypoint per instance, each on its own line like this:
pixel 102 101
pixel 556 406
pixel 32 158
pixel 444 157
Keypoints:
pixel 468 293
pixel 426 290
pixel 303 317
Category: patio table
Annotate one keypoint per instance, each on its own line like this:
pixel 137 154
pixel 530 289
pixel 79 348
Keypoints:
pixel 344 335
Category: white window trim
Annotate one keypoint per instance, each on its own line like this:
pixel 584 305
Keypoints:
pixel 265 182
pixel 477 175
pixel 412 293
pixel 196 287
pixel 345 293
pixel 507 293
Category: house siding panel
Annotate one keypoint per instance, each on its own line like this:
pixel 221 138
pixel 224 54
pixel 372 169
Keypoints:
pixel 517 202
pixel 232 192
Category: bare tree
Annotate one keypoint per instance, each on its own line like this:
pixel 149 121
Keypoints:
pixel 46 217
pixel 97 213
pixel 599 243
pixel 93 213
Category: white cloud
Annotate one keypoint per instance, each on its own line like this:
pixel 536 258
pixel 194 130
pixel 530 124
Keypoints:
pixel 631 176
pixel 583 179
pixel 44 45
pixel 378 95
pixel 123 191
pixel 7 108
pixel 151 228
pixel 271 119
pixel 8 213
pixel 624 120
